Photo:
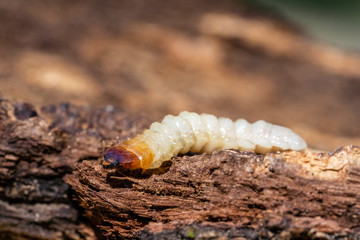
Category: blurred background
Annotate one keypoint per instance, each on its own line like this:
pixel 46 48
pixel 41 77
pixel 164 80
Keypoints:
pixel 294 63
pixel 331 21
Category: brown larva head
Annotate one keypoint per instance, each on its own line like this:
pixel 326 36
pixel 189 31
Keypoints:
pixel 120 156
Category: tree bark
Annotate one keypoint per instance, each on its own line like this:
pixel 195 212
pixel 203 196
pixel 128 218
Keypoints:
pixel 38 147
pixel 227 194
pixel 52 186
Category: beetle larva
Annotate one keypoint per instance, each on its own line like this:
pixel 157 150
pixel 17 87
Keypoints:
pixel 199 133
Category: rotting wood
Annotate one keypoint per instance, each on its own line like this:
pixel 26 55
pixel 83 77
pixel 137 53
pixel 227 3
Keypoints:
pixel 228 193
pixel 38 147
pixel 225 194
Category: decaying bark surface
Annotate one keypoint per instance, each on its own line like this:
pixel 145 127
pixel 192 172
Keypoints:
pixel 227 194
pixel 52 186
pixel 38 147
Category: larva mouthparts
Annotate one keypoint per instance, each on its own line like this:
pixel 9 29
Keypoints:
pixel 198 133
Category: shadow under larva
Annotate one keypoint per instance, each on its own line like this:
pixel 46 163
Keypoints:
pixel 137 173
pixel 197 133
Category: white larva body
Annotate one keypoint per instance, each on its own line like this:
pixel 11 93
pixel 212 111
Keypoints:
pixel 206 133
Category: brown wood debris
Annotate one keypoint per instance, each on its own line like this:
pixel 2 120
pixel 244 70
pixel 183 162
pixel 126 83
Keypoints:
pixel 38 147
pixel 52 186
pixel 229 193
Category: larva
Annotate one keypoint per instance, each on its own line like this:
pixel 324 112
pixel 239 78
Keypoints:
pixel 198 133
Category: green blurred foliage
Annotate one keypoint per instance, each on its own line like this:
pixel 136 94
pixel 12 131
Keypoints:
pixel 333 21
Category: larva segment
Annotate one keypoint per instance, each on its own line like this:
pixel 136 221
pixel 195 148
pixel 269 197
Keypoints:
pixel 212 127
pixel 199 133
pixel 227 133
pixel 261 135
pixel 243 133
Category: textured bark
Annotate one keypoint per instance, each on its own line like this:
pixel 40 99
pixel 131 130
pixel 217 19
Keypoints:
pixel 225 194
pixel 220 57
pixel 38 147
